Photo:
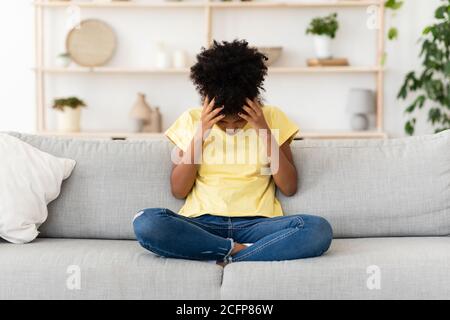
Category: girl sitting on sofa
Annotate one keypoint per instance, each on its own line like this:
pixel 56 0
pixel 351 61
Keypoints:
pixel 230 156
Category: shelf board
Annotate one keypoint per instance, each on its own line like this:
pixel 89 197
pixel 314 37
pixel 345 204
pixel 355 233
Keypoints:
pixel 117 4
pixel 114 70
pixel 346 69
pixel 299 4
pixel 131 135
pixel 218 5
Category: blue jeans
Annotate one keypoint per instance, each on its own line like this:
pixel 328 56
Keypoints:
pixel 210 237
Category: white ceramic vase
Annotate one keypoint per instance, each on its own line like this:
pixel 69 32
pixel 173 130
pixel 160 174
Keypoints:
pixel 163 58
pixel 322 46
pixel 179 59
pixel 69 119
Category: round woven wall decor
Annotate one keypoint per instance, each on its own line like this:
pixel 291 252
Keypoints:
pixel 92 43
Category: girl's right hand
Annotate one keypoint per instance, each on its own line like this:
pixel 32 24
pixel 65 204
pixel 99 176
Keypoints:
pixel 210 115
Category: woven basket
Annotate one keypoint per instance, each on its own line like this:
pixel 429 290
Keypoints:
pixel 92 43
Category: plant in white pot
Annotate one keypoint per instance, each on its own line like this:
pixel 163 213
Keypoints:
pixel 63 60
pixel 69 113
pixel 324 30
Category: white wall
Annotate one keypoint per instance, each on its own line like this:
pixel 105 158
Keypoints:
pixel 17 97
pixel 314 101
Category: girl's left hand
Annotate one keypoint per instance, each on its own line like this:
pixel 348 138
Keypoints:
pixel 255 115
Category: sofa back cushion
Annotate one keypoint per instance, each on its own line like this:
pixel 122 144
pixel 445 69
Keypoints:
pixel 365 188
pixel 112 181
pixel 375 188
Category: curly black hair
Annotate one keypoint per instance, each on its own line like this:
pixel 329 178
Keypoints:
pixel 230 72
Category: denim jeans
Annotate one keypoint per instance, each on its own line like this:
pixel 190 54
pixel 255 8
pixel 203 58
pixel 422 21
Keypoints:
pixel 210 237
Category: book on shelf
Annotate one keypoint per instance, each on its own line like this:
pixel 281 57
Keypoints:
pixel 332 62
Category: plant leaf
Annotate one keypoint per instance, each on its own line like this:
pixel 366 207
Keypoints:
pixel 418 103
pixel 393 4
pixel 426 30
pixel 447 69
pixel 393 33
pixel 409 126
pixel 434 115
pixel 440 12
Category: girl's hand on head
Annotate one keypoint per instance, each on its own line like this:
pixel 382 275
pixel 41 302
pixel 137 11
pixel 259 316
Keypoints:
pixel 255 115
pixel 210 115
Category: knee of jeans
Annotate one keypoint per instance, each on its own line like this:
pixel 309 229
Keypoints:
pixel 145 223
pixel 327 233
pixel 323 233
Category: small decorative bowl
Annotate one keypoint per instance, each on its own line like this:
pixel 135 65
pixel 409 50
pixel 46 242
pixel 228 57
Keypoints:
pixel 273 53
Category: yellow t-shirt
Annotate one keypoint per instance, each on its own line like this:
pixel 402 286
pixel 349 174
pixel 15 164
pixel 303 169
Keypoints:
pixel 230 179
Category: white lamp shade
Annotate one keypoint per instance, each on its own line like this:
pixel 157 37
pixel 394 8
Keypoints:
pixel 361 101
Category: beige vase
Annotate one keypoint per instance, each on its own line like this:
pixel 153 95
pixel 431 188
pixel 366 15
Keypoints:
pixel 156 120
pixel 69 119
pixel 141 113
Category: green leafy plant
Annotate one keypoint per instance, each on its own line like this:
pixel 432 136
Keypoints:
pixel 432 85
pixel 64 55
pixel 392 33
pixel 324 26
pixel 71 102
pixel 393 5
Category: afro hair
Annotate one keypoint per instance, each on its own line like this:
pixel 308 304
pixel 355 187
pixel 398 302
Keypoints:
pixel 230 72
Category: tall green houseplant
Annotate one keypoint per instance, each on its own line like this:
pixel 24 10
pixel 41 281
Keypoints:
pixel 431 87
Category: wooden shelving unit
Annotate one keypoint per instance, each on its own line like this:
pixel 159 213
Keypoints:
pixel 208 7
pixel 186 70
pixel 211 4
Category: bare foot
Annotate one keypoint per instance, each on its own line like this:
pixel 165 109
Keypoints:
pixel 237 247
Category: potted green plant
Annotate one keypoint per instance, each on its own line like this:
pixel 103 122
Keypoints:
pixel 63 60
pixel 431 86
pixel 69 113
pixel 323 29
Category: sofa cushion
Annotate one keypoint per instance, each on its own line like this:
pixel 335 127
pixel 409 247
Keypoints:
pixel 408 268
pixel 113 180
pixel 372 268
pixel 396 187
pixel 380 188
pixel 101 269
pixel 29 180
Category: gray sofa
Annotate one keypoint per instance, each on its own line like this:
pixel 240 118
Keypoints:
pixel 387 200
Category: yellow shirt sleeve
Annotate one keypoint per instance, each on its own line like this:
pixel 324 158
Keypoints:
pixel 182 130
pixel 287 129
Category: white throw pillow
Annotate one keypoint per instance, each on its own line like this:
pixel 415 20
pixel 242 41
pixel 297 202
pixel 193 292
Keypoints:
pixel 29 180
